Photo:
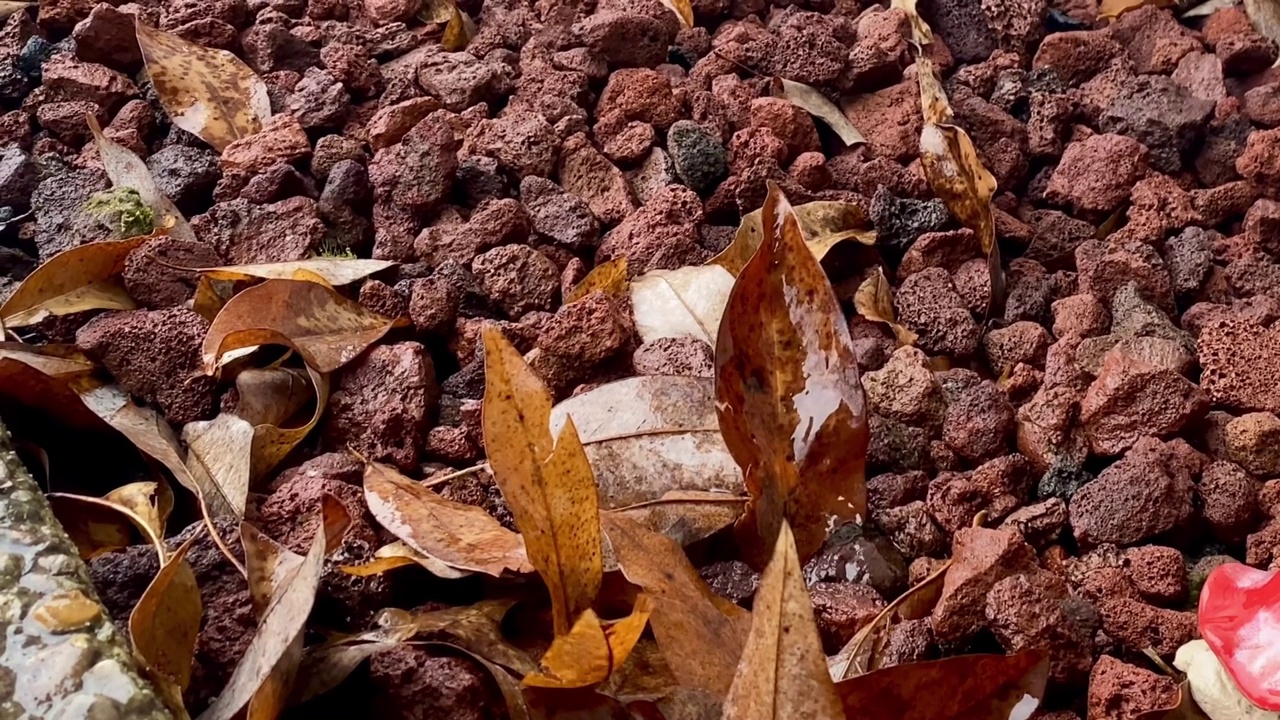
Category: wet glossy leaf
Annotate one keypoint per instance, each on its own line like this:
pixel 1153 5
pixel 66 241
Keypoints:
pixel 219 457
pixel 459 31
pixel 607 277
pixel 278 633
pixel 874 301
pixel 209 93
pixel 334 271
pixel 700 634
pixel 824 224
pixel 921 33
pixel 684 301
pixel 818 105
pixel 128 170
pixel 649 435
pixel 86 277
pixel 164 625
pixel 1112 9
pixel 957 176
pixel 967 687
pixel 864 651
pixel 788 395
pixel 548 486
pixel 686 516
pixel 591 651
pixel 683 10
pixel 325 328
pixel 63 362
pixel 397 555
pixel 458 535
pixel 783 672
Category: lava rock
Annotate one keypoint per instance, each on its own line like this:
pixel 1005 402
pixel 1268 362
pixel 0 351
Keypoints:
pixel 1142 495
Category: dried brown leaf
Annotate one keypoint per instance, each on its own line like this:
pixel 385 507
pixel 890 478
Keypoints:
pixel 9 7
pixel 458 535
pixel 324 667
pixel 957 176
pixel 921 33
pixel 824 224
pixel 333 271
pixel 436 11
pixel 607 277
pixel 967 687
pixel 686 516
pixel 278 633
pixel 818 105
pixel 164 625
pixel 788 394
pixel 397 555
pixel 219 459
pixel 475 628
pixel 874 301
pixel 62 362
pixel 783 672
pixel 683 10
pixel 864 651
pixel 326 329
pixel 684 301
pixel 701 636
pixel 269 398
pixel 86 277
pixel 128 170
pixel 549 486
pixel 459 31
pixel 106 524
pixel 210 296
pixel 1112 9
pixel 209 93
pixel 591 651
pixel 649 435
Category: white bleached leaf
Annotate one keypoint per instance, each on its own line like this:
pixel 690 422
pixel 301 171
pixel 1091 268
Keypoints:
pixel 685 301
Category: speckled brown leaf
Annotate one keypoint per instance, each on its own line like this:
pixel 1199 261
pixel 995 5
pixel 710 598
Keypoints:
pixel 459 535
pixel 476 628
pixel 86 277
pixel 788 394
pixel 1112 9
pixel 966 687
pixel 219 458
pixel 824 224
pixel 278 632
pixel 211 94
pixel 128 170
pixel 325 328
pixel 957 176
pixel 783 672
pixel 548 485
pixel 459 31
pixel 164 625
pixel 334 271
pixel 592 650
pixel 874 301
pixel 686 516
pixel 608 277
pixel 649 435
pixel 818 105
pixel 864 651
pixel 701 635
pixel 921 33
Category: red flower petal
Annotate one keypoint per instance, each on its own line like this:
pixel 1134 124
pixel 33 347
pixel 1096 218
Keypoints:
pixel 1240 620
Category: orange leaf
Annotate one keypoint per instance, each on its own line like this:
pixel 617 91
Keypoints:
pixel 967 687
pixel 326 329
pixel 591 652
pixel 874 301
pixel 461 536
pixel 788 395
pixel 397 555
pixel 86 277
pixel 608 277
pixel 63 362
pixel 1112 9
pixel 164 625
pixel 548 486
pixel 332 271
pixel 686 516
pixel 700 634
pixel 783 673
pixel 459 31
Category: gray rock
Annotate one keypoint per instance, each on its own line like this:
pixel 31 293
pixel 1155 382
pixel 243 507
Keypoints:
pixel 1189 255
pixel 1161 114
pixel 186 175
pixel 656 172
pixel 61 221
pixel 699 157
pixel 900 221
pixel 18 178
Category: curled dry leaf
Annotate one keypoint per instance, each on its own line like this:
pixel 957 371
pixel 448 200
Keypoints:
pixel 128 170
pixel 397 555
pixel 86 277
pixel 548 485
pixel 61 362
pixel 269 398
pixel 209 93
pixel 164 625
pixel 788 394
pixel 921 33
pixel 818 105
pixel 591 651
pixel 326 329
pixel 219 458
pixel 864 651
pixel 701 635
pixel 459 535
pixel 683 10
pixel 1112 9
pixel 967 687
pixel 649 435
pixel 459 31
pixel 874 301
pixel 783 672
pixel 278 632
pixel 333 271
pixel 209 297
pixel 476 628
pixel 105 524
pixel 686 516
pixel 684 301
pixel 608 277
pixel 957 176
pixel 824 224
